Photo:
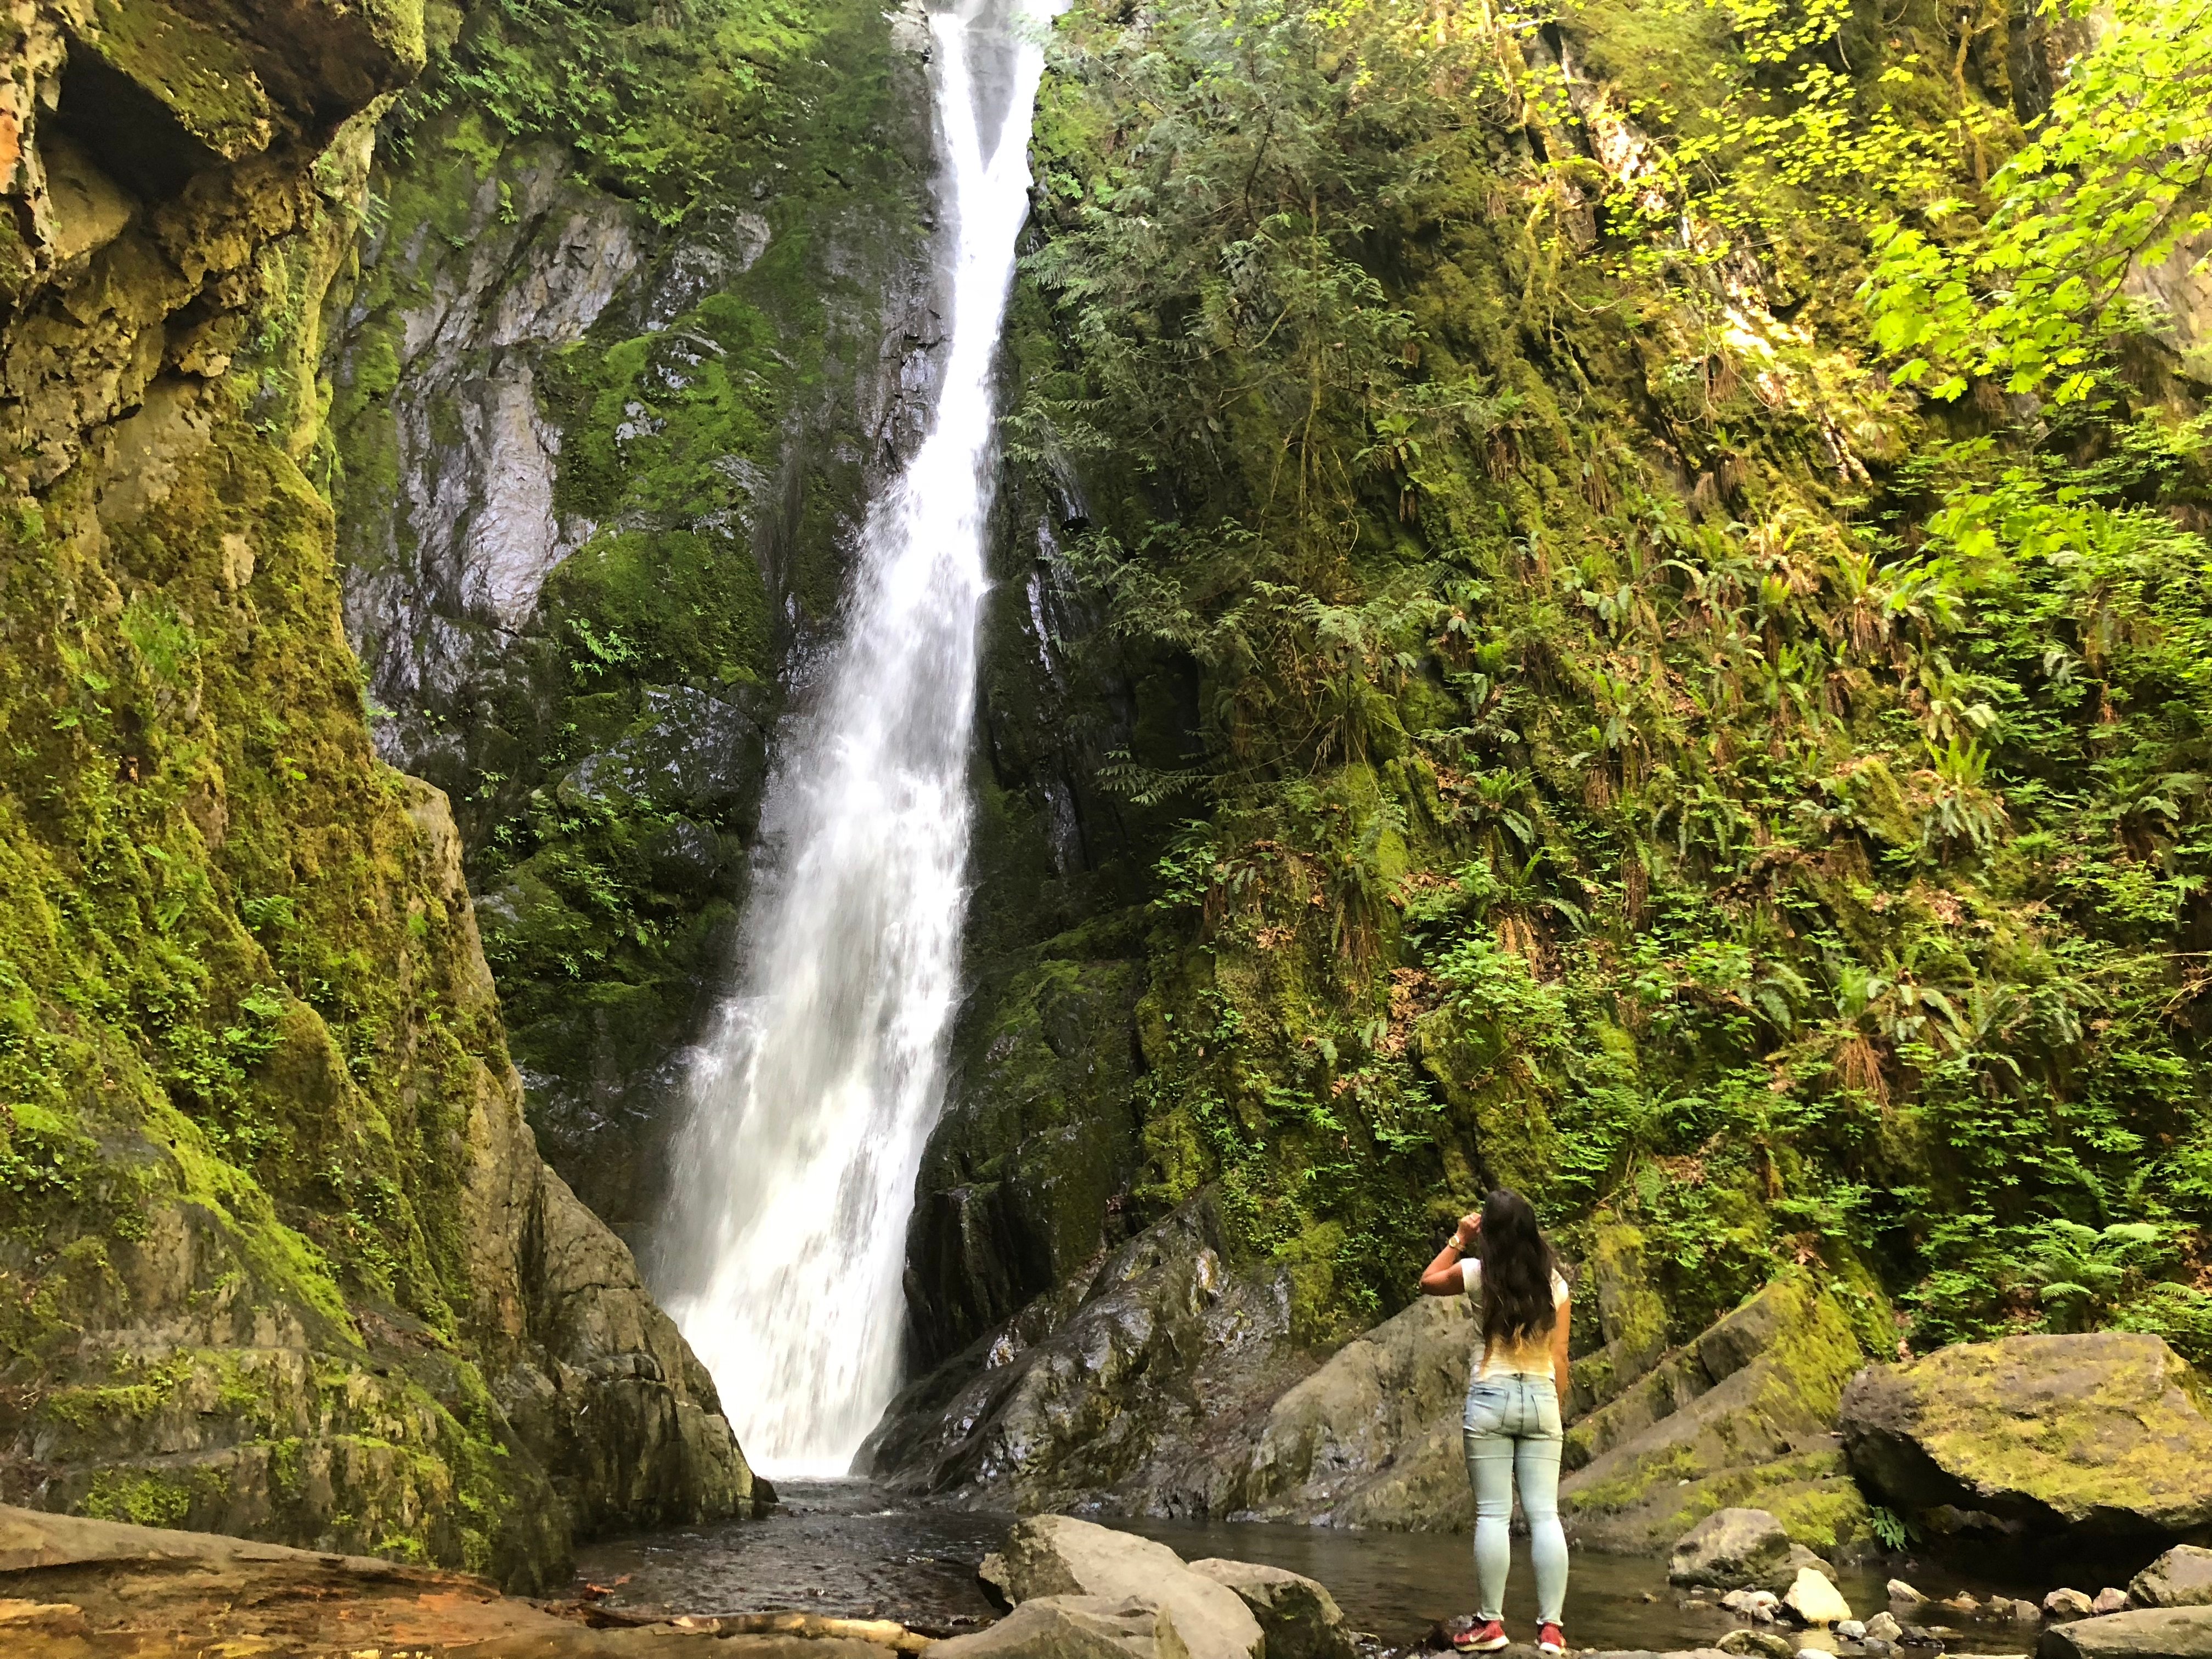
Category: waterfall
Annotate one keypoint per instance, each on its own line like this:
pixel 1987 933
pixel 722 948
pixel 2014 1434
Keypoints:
pixel 822 1074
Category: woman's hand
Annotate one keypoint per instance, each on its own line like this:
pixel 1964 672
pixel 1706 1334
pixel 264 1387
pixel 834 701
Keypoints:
pixel 1445 1276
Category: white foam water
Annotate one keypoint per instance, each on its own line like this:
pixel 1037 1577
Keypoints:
pixel 781 1253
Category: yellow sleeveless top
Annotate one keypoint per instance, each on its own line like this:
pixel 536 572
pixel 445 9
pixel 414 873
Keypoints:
pixel 1529 1357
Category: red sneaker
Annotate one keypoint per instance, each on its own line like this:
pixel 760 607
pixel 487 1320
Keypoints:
pixel 1486 1636
pixel 1550 1639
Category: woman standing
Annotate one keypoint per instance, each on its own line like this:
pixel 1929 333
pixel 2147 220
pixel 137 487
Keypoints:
pixel 1502 1259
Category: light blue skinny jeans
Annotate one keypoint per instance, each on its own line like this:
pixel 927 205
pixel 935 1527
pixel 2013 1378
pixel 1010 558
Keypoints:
pixel 1513 1432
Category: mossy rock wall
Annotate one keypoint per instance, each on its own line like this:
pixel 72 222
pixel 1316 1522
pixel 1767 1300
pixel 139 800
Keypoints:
pixel 602 441
pixel 1526 726
pixel 278 1252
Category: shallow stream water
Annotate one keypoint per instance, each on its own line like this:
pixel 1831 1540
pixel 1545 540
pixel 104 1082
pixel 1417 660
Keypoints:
pixel 847 1549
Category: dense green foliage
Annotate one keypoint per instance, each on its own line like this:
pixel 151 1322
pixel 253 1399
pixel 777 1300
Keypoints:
pixel 1643 753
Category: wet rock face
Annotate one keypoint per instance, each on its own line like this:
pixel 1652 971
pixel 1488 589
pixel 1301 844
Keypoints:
pixel 1134 1390
pixel 437 586
pixel 288 1263
pixel 600 476
pixel 1022 1175
pixel 1372 1438
pixel 2098 1435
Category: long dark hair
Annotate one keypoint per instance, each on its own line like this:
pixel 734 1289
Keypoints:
pixel 1517 1265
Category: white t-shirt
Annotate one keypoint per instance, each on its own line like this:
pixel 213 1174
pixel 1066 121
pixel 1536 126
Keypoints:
pixel 1532 1355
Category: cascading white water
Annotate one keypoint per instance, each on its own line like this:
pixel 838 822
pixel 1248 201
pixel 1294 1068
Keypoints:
pixel 812 1096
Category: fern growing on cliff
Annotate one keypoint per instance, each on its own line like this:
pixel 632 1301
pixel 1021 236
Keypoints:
pixel 1786 799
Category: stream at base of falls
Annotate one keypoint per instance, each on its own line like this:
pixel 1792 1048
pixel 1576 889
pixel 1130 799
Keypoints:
pixel 847 1549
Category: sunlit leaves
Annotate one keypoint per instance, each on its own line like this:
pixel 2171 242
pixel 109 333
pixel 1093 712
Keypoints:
pixel 2113 180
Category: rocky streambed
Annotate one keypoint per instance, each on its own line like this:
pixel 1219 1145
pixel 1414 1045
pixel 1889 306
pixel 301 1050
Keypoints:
pixel 852 1549
pixel 843 1575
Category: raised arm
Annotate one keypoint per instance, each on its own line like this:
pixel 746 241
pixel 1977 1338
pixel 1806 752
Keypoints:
pixel 1445 1276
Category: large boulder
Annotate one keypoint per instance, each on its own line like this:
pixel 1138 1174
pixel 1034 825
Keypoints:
pixel 2182 1577
pixel 2096 1435
pixel 1073 1627
pixel 1372 1438
pixel 2145 1633
pixel 1729 1549
pixel 1299 1618
pixel 1055 1555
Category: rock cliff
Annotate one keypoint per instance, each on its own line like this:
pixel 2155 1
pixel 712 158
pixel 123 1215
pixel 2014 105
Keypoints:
pixel 278 1252
pixel 604 432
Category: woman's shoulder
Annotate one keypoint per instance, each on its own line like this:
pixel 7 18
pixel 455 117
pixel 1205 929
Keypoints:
pixel 1560 1289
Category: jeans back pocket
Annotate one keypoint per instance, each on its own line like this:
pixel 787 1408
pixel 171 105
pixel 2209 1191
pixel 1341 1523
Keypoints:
pixel 1486 1408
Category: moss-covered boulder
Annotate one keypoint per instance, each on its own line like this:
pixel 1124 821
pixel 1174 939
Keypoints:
pixel 2101 1434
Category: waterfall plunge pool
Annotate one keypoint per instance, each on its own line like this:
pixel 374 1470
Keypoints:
pixel 849 1549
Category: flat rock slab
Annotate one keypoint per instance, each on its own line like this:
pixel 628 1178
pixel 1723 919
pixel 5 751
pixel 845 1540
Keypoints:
pixel 2145 1633
pixel 2095 1433
pixel 78 1588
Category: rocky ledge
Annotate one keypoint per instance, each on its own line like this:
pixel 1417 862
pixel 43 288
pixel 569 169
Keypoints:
pixel 76 1589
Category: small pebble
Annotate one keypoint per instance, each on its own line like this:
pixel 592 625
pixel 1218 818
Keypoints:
pixel 2109 1600
pixel 1852 1630
pixel 2066 1604
pixel 1901 1591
